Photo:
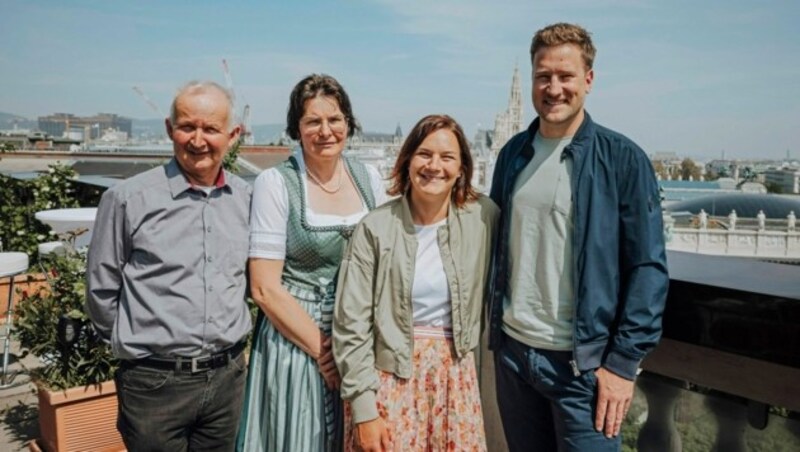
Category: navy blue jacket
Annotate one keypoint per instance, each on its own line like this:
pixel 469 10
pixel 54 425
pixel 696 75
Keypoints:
pixel 619 262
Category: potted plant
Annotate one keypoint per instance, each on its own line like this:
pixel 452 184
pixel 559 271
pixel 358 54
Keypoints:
pixel 75 381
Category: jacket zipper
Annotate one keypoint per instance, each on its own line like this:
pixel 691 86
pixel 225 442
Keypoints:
pixel 573 363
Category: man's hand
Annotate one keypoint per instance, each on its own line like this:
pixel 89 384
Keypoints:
pixel 614 395
pixel 372 436
pixel 327 366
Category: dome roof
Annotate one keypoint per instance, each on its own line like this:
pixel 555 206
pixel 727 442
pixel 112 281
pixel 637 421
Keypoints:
pixel 746 205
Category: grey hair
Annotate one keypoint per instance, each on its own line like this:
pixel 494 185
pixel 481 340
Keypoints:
pixel 200 86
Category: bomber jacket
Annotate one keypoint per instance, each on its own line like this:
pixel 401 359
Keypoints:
pixel 373 327
pixel 619 261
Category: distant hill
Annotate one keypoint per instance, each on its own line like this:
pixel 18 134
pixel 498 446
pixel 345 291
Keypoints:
pixel 267 133
pixel 154 128
pixel 7 121
pixel 146 128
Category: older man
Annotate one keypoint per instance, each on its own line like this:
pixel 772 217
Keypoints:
pixel 580 276
pixel 166 284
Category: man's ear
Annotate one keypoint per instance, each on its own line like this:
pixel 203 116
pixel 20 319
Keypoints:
pixel 168 125
pixel 589 80
pixel 234 134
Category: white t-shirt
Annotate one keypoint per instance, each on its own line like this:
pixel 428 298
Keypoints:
pixel 430 293
pixel 270 211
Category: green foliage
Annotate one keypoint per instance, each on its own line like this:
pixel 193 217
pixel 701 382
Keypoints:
pixel 88 360
pixel 697 419
pixel 19 230
pixel 689 169
pixel 772 187
pixel 229 161
pixel 631 426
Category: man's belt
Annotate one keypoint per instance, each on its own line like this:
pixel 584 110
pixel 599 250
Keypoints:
pixel 193 364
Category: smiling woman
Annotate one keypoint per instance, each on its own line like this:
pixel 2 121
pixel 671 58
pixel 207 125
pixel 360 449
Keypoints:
pixel 302 213
pixel 410 379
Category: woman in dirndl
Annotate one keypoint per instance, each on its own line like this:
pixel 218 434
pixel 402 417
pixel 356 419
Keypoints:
pixel 409 302
pixel 303 211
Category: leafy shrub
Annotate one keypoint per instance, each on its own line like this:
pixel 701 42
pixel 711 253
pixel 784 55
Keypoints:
pixel 21 199
pixel 52 325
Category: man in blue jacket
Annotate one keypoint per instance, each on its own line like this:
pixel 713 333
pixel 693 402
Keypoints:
pixel 579 275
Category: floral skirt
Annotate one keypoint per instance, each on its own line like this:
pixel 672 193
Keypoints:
pixel 437 409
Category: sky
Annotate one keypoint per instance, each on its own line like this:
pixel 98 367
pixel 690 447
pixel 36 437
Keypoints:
pixel 692 77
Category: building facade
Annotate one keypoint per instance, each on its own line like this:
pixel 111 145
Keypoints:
pixel 90 127
pixel 788 179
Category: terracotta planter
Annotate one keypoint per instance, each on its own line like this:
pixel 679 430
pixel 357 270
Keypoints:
pixel 79 419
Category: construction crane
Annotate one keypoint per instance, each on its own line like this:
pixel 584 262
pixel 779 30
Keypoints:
pixel 149 102
pixel 228 79
pixel 247 134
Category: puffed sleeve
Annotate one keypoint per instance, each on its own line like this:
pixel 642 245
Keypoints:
pixel 269 213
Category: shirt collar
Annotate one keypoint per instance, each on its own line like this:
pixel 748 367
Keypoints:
pixel 179 183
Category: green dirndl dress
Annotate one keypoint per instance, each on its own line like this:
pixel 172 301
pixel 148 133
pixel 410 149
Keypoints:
pixel 287 406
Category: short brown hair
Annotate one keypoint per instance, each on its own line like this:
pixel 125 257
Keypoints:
pixel 401 182
pixel 310 87
pixel 563 33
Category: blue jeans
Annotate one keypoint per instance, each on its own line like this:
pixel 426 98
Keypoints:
pixel 543 405
pixel 169 410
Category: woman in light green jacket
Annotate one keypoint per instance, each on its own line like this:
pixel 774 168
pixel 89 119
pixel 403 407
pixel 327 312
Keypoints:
pixel 409 302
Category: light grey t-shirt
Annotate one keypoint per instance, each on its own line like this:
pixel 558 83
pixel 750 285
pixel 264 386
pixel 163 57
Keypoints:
pixel 539 302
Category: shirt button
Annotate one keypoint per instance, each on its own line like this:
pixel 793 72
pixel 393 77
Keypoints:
pixel 210 288
pixel 208 229
pixel 209 258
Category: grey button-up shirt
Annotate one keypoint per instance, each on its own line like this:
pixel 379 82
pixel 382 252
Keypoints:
pixel 166 265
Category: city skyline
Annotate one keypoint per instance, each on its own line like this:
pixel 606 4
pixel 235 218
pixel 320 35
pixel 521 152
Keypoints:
pixel 693 79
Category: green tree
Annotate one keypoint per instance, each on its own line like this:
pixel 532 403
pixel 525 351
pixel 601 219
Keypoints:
pixel 229 161
pixel 19 230
pixel 660 170
pixel 689 169
pixel 772 187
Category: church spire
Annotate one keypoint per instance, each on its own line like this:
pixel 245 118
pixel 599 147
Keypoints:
pixel 509 122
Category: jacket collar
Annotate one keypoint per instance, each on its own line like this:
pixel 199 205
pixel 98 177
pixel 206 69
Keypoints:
pixel 408 221
pixel 178 183
pixel 580 144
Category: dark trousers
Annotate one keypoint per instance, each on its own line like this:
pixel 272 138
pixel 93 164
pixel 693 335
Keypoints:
pixel 165 410
pixel 543 405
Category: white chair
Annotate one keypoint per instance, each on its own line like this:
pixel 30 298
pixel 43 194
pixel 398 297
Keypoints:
pixel 11 265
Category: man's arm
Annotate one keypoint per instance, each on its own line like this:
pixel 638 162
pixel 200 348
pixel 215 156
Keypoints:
pixel 643 266
pixel 643 290
pixel 108 254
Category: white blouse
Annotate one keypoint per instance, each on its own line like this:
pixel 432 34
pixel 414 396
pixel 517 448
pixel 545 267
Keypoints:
pixel 269 213
pixel 430 293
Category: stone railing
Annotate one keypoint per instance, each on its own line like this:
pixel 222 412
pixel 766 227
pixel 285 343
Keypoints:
pixel 726 371
pixel 767 244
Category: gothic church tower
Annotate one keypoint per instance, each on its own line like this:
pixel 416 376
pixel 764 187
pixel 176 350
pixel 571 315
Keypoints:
pixel 508 123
